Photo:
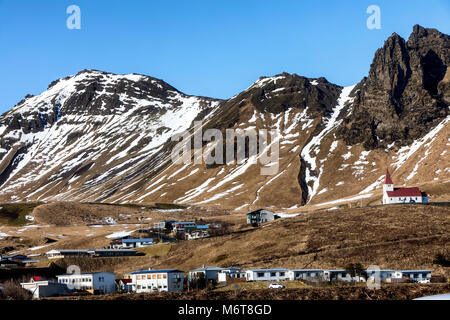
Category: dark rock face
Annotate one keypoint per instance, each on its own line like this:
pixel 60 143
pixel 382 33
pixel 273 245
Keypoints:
pixel 405 94
pixel 293 91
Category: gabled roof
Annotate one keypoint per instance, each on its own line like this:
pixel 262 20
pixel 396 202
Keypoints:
pixel 405 192
pixel 387 178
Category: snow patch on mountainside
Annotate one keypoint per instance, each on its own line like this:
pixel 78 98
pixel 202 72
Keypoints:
pixel 310 151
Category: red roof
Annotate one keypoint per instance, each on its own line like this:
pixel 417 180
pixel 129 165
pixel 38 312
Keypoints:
pixel 405 192
pixel 387 178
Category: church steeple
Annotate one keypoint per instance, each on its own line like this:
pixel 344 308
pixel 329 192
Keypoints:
pixel 388 185
pixel 387 178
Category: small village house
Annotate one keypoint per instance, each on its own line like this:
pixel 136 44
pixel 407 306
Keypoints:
pixel 72 253
pixel 267 275
pixel 170 280
pixel 196 235
pixel 230 273
pixel 383 274
pixel 342 275
pixel 416 275
pixel 112 252
pixel 164 225
pixel 137 243
pixel 44 288
pixel 95 282
pixel 305 274
pixel 401 195
pixel 67 253
pixel 260 216
pixel 208 273
pixel 180 227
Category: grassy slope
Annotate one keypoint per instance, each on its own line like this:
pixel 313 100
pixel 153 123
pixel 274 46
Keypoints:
pixel 400 236
pixel 14 214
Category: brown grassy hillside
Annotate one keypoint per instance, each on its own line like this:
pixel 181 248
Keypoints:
pixel 397 236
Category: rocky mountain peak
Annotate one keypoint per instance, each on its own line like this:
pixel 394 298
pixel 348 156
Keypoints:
pixel 405 93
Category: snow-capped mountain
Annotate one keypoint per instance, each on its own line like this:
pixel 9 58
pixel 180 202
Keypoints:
pixel 98 136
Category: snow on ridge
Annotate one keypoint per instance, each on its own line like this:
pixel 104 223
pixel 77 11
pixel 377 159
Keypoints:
pixel 316 140
pixel 406 152
pixel 344 200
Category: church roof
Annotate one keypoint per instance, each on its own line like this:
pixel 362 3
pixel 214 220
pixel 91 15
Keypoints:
pixel 405 192
pixel 387 178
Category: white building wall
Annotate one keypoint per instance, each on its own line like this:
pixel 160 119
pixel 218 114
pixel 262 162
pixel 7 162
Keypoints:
pixel 266 275
pixel 152 282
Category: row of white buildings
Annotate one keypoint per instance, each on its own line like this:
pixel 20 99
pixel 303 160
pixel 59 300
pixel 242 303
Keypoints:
pixel 172 280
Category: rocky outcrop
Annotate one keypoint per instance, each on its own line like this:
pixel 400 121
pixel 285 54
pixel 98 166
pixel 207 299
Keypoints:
pixel 405 94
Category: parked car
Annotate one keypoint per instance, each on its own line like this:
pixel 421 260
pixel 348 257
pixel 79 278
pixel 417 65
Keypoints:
pixel 276 286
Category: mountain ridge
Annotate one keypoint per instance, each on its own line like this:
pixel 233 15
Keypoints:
pixel 97 136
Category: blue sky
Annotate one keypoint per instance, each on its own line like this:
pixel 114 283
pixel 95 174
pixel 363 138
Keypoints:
pixel 211 48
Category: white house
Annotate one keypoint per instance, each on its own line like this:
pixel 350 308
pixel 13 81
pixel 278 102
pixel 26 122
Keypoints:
pixel 45 288
pixel 230 272
pixel 416 275
pixel 260 216
pixel 341 275
pixel 209 273
pixel 95 282
pixel 305 274
pixel 267 275
pixel 136 243
pixel 57 254
pixel 401 195
pixel 157 280
pixel 183 226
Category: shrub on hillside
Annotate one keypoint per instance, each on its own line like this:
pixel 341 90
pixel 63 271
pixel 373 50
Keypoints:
pixel 13 291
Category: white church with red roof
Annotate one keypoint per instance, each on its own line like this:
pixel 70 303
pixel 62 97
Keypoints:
pixel 401 195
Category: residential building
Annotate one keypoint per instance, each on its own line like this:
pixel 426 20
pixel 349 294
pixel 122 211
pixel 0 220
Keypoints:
pixel 416 275
pixel 45 288
pixel 342 275
pixel 196 235
pixel 95 282
pixel 208 273
pixel 267 275
pixel 401 195
pixel 305 274
pixel 230 273
pixel 112 252
pixel 157 280
pixel 260 216
pixel 183 226
pixel 67 253
pixel 164 225
pixel 137 243
pixel 383 274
